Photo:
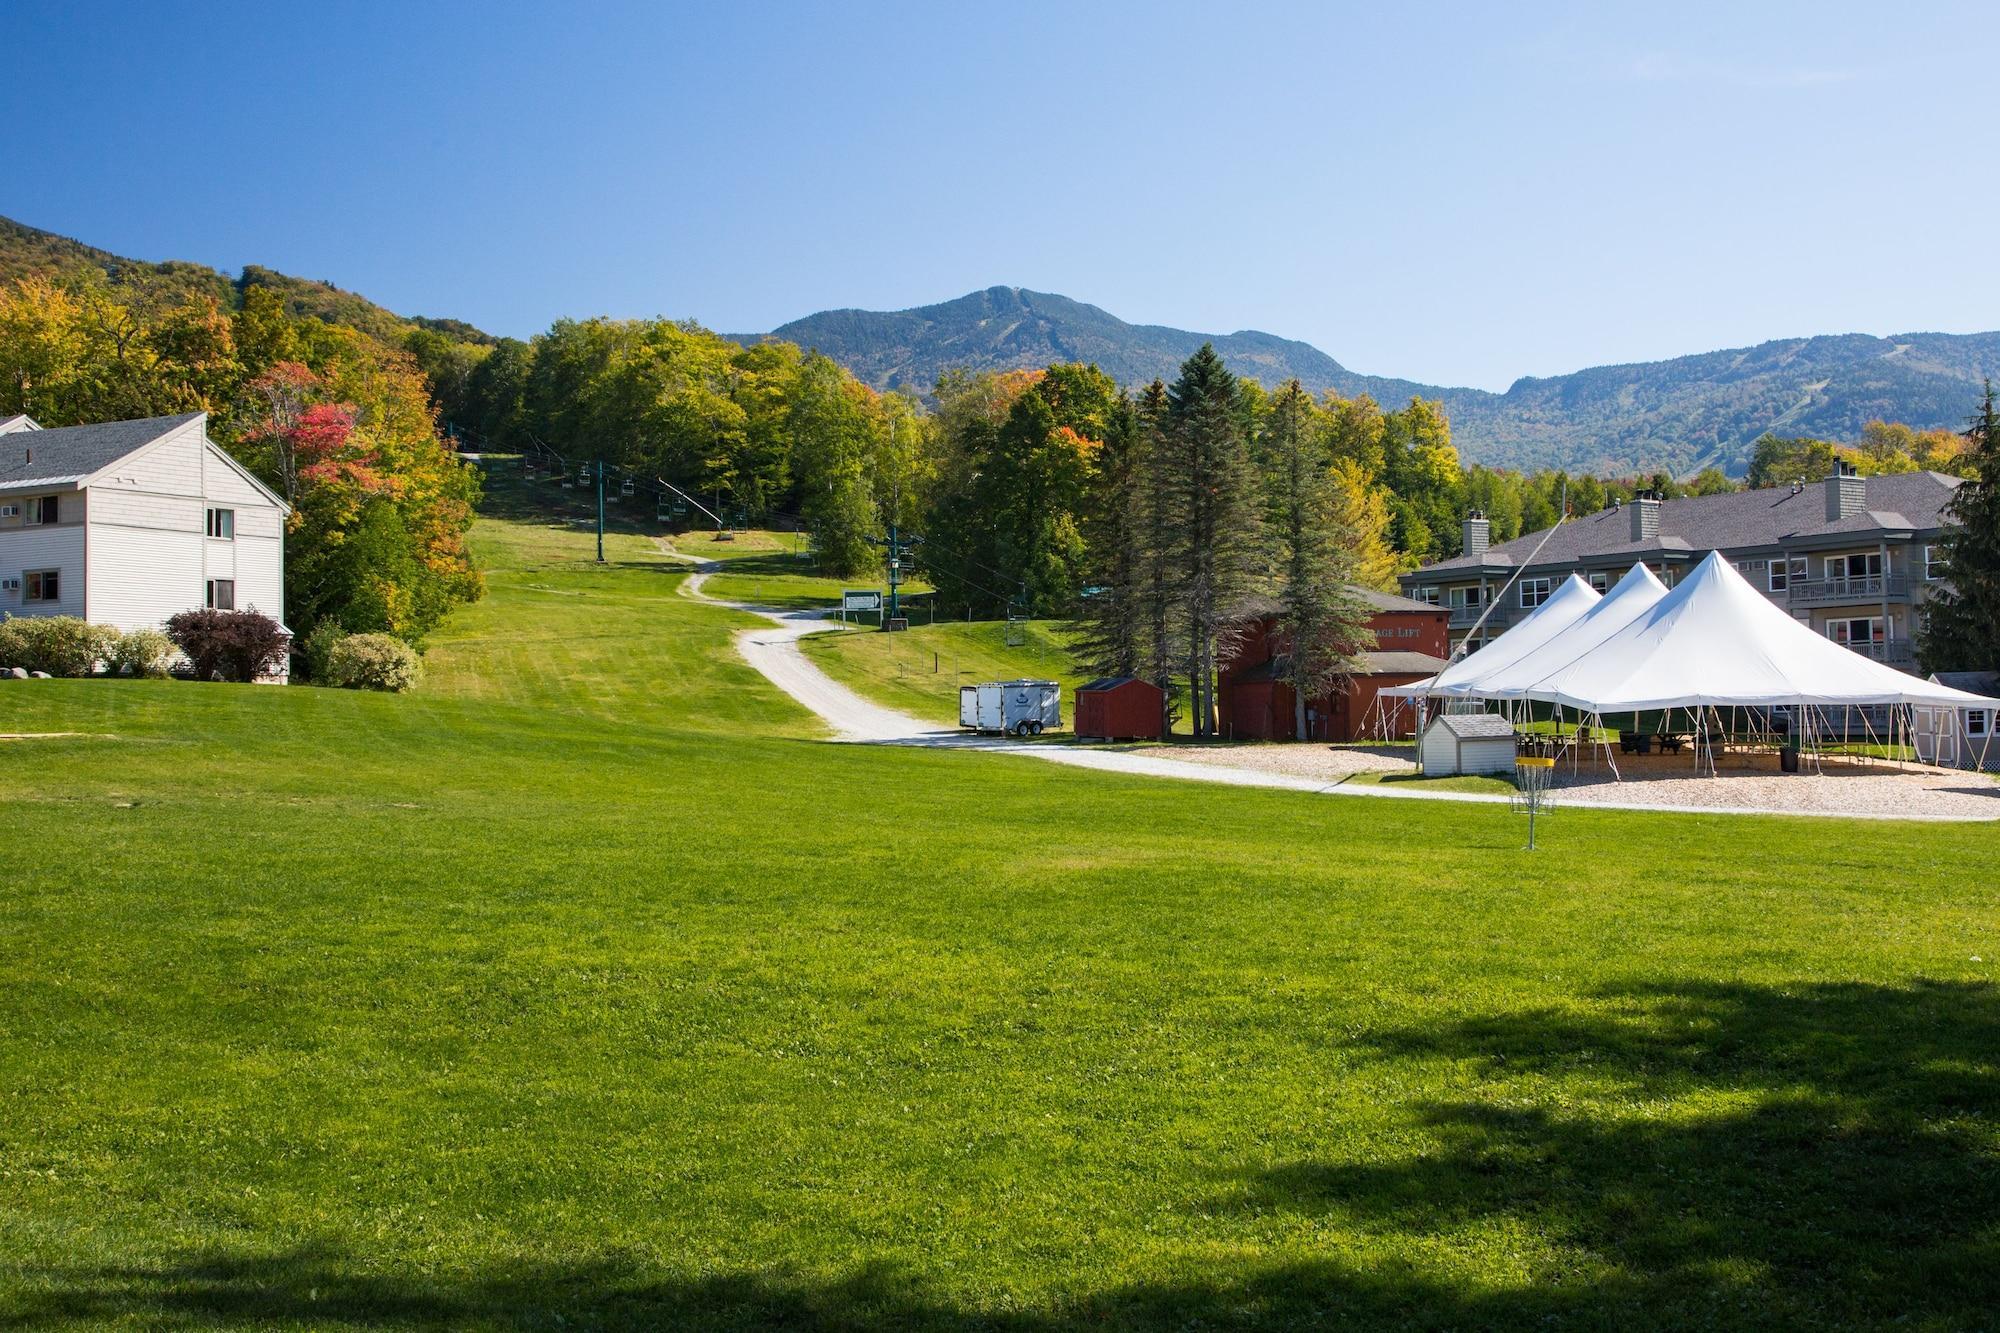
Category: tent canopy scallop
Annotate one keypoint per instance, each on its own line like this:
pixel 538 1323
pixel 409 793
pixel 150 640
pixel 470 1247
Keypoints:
pixel 1715 641
pixel 1561 609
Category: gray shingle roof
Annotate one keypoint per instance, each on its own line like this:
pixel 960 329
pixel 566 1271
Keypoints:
pixel 66 454
pixel 1465 725
pixel 1402 662
pixel 1909 501
pixel 1388 601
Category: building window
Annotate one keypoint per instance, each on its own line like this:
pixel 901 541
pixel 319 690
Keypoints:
pixel 222 524
pixel 1428 596
pixel 42 509
pixel 1854 566
pixel 1978 721
pixel 1534 592
pixel 1462 598
pixel 1600 580
pixel 41 585
pixel 1933 563
pixel 10 511
pixel 1784 571
pixel 222 594
pixel 1855 632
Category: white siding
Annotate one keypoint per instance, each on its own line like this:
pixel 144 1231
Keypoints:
pixel 57 548
pixel 140 576
pixel 168 466
pixel 150 556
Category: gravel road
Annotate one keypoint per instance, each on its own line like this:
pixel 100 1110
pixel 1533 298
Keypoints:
pixel 774 651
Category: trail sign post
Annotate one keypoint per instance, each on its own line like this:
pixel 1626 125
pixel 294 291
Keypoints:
pixel 858 600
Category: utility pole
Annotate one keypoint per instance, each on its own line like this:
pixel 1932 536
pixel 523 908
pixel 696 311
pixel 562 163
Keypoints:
pixel 600 511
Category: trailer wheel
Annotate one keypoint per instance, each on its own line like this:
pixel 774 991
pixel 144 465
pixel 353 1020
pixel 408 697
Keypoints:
pixel 1021 729
pixel 1034 728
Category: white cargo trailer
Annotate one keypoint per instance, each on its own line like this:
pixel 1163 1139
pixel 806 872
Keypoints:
pixel 1011 707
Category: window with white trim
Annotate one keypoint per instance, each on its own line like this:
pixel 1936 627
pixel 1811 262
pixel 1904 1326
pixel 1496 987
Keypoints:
pixel 1933 563
pixel 1428 596
pixel 10 511
pixel 1461 598
pixel 1784 571
pixel 1535 591
pixel 222 524
pixel 42 509
pixel 41 585
pixel 1978 722
pixel 222 594
pixel 1600 580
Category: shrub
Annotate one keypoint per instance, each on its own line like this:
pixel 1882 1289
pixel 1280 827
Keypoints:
pixel 373 662
pixel 59 645
pixel 230 645
pixel 312 653
pixel 140 652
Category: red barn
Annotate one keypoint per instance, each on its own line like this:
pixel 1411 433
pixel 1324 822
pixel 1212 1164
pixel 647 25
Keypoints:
pixel 1412 640
pixel 1118 708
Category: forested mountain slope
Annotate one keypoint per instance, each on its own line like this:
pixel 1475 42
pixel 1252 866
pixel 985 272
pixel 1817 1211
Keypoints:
pixel 1679 415
pixel 29 251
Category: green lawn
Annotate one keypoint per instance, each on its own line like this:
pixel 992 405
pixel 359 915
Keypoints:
pixel 920 671
pixel 774 569
pixel 586 989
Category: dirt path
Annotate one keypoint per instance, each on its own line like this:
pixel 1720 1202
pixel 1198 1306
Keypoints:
pixel 774 651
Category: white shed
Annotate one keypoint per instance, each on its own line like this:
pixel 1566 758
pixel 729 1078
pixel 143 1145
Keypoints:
pixel 1467 743
pixel 126 523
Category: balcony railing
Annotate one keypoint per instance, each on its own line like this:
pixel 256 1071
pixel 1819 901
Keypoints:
pixel 1464 617
pixel 1832 592
pixel 1899 653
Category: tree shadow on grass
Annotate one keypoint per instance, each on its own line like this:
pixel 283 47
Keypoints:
pixel 1708 1156
pixel 1745 1155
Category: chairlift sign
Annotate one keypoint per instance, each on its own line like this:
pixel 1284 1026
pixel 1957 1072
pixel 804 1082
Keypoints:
pixel 861 599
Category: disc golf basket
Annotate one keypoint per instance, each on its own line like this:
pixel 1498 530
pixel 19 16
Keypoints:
pixel 1534 776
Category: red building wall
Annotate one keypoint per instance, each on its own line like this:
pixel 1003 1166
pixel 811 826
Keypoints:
pixel 1255 709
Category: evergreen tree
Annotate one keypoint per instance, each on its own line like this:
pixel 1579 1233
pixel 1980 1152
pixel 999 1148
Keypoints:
pixel 1324 622
pixel 1110 613
pixel 1158 539
pixel 1221 530
pixel 1962 619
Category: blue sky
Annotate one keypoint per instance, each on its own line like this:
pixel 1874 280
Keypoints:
pixel 1458 194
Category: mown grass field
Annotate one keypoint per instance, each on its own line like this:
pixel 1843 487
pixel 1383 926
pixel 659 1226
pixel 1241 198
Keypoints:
pixel 920 671
pixel 587 988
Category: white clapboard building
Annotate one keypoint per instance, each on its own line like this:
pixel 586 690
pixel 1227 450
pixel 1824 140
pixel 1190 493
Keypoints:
pixel 126 523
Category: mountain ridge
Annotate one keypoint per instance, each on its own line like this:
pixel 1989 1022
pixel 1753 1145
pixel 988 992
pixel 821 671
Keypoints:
pixel 1678 414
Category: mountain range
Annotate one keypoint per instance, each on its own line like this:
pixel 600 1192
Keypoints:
pixel 1679 415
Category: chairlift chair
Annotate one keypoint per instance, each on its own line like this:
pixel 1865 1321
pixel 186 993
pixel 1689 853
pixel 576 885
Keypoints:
pixel 628 488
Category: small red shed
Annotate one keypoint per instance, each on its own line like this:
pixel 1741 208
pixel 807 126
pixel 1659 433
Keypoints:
pixel 1118 708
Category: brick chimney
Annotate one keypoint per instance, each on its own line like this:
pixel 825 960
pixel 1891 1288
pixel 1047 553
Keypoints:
pixel 1478 532
pixel 1846 493
pixel 1645 512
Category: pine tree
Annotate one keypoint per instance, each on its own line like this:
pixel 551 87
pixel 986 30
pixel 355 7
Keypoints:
pixel 1158 540
pixel 1111 612
pixel 1221 537
pixel 1962 618
pixel 1321 618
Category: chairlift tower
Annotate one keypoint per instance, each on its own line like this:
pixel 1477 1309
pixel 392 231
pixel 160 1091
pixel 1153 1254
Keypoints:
pixel 897 545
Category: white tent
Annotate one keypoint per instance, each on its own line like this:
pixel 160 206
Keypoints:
pixel 1558 612
pixel 1716 642
pixel 1635 594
